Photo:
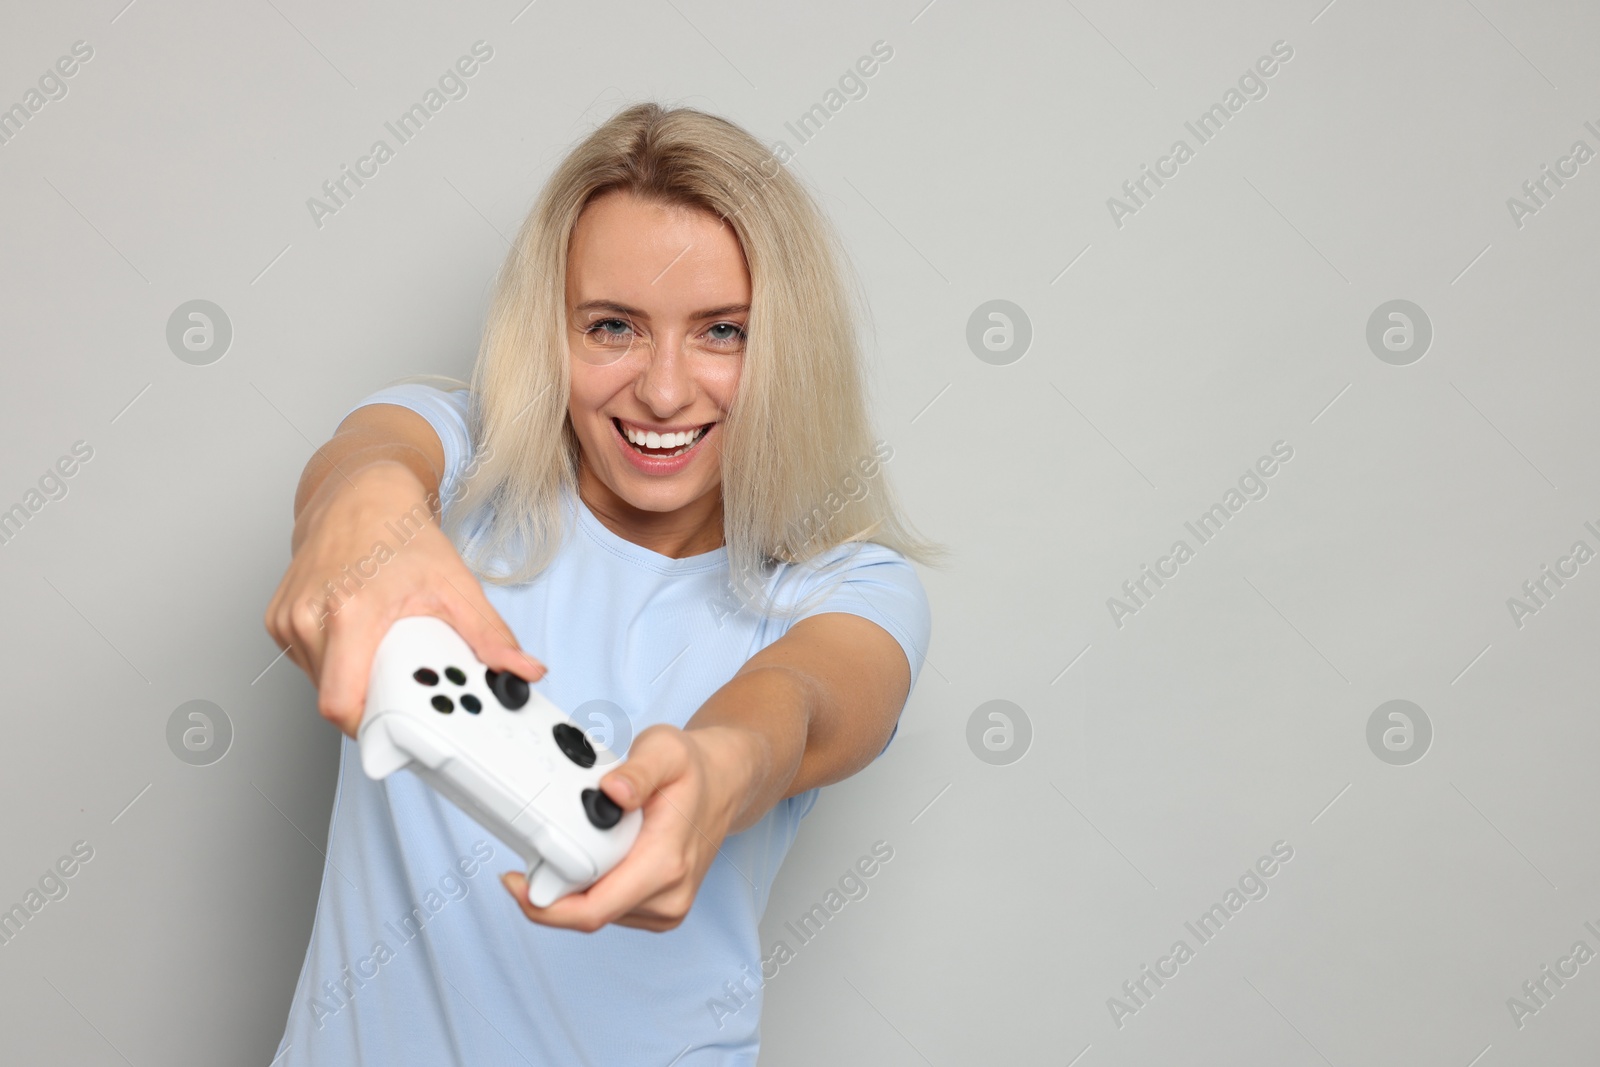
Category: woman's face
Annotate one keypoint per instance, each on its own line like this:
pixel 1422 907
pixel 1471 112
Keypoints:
pixel 658 301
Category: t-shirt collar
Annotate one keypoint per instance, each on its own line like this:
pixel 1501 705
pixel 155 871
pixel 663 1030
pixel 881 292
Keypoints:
pixel 602 535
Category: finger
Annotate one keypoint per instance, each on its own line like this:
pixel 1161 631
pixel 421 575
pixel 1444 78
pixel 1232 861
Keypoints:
pixel 282 634
pixel 346 668
pixel 657 756
pixel 556 915
pixel 650 923
pixel 300 632
pixel 657 868
pixel 487 634
pixel 294 655
pixel 643 917
pixel 645 875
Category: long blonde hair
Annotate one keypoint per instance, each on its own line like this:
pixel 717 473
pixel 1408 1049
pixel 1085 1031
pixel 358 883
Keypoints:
pixel 797 443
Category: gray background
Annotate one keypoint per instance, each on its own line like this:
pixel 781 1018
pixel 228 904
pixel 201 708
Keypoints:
pixel 1167 354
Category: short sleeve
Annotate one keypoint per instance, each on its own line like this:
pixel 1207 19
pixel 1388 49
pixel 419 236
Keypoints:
pixel 445 411
pixel 876 583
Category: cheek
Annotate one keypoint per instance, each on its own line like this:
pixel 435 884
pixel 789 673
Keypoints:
pixel 591 387
pixel 722 386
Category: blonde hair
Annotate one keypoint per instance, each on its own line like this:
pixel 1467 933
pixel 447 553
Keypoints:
pixel 797 433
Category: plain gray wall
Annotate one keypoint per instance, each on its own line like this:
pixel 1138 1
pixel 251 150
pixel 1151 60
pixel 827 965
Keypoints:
pixel 1170 348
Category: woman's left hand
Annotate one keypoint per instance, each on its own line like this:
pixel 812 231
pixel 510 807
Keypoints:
pixel 692 784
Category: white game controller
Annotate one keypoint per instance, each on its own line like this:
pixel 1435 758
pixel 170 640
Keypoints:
pixel 499 751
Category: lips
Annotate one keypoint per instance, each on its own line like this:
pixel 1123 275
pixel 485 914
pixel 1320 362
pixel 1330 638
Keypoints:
pixel 650 443
pixel 660 461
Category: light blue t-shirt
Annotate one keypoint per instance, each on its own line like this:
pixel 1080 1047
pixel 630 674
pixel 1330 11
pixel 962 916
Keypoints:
pixel 419 956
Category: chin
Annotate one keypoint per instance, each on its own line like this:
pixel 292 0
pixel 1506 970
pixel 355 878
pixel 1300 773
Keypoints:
pixel 659 497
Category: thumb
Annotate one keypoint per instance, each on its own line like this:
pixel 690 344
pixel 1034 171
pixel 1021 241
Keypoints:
pixel 656 757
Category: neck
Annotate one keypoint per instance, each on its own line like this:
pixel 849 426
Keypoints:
pixel 691 530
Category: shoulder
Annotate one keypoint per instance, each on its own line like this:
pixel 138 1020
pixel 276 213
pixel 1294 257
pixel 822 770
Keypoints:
pixel 432 401
pixel 861 578
pixel 446 405
pixel 849 561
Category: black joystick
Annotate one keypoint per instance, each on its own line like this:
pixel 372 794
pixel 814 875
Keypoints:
pixel 603 812
pixel 574 745
pixel 511 691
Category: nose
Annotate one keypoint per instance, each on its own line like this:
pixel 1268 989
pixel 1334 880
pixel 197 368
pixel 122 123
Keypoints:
pixel 666 384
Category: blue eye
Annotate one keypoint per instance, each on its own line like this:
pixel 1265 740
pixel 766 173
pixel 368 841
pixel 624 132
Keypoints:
pixel 603 326
pixel 609 331
pixel 739 333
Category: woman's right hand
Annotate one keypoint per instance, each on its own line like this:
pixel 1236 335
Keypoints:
pixel 352 576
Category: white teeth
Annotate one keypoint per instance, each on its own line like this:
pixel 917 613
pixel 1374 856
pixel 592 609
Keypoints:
pixel 652 439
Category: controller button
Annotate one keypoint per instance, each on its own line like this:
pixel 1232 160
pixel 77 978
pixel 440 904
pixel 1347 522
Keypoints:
pixel 442 703
pixel 576 747
pixel 471 703
pixel 425 676
pixel 456 675
pixel 603 812
pixel 511 691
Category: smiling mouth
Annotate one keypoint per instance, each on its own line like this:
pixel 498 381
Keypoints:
pixel 665 446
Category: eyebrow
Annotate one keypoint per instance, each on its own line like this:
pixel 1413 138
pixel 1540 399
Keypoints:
pixel 624 309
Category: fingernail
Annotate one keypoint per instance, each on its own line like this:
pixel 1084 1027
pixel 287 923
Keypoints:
pixel 621 790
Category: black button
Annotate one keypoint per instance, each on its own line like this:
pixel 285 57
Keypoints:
pixel 442 703
pixel 425 676
pixel 603 812
pixel 456 675
pixel 511 691
pixel 571 741
pixel 470 703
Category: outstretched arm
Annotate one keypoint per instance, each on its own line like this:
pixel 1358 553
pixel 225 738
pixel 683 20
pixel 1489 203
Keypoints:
pixel 812 708
pixel 382 467
pixel 818 704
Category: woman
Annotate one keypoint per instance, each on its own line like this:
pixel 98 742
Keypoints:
pixel 667 396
